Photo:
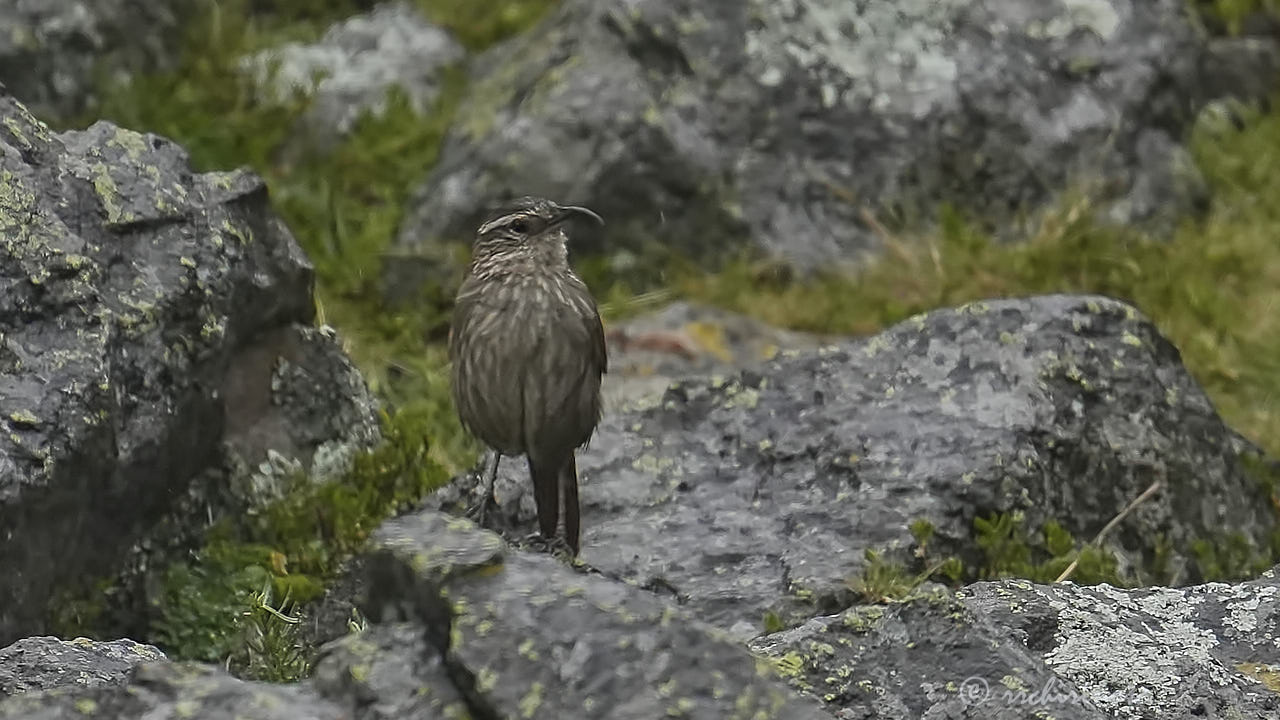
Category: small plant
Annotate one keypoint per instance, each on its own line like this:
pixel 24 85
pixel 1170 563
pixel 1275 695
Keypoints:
pixel 1009 550
pixel 773 622
pixel 886 581
pixel 269 647
pixel 922 530
pixel 1003 543
pixel 357 623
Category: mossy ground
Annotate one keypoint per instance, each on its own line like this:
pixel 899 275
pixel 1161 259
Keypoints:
pixel 1214 289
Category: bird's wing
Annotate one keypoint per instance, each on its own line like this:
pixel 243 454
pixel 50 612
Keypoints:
pixel 563 379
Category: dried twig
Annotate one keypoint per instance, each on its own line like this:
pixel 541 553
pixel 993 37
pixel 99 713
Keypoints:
pixel 1097 540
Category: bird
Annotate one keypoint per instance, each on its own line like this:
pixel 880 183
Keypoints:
pixel 527 350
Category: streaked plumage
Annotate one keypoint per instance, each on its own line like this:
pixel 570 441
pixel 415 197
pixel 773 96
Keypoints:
pixel 528 353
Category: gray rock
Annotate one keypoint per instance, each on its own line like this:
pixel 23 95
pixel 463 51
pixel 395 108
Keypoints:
pixel 388 672
pixel 52 50
pixel 761 491
pixel 523 635
pixel 929 657
pixel 1009 649
pixel 498 633
pixel 42 663
pixel 1154 653
pixel 175 690
pixel 349 71
pixel 155 349
pixel 806 127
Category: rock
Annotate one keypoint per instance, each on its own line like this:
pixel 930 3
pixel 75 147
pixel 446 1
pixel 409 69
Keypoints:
pixel 351 69
pixel 471 629
pixel 175 690
pixel 1007 649
pixel 523 635
pixel 760 492
pixel 395 665
pixel 805 128
pixel 52 50
pixel 649 352
pixel 468 627
pixel 41 663
pixel 155 351
pixel 927 657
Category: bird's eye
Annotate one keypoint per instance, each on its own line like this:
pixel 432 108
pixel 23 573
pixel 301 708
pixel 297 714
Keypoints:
pixel 520 226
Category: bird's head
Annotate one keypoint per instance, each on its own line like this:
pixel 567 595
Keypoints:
pixel 528 227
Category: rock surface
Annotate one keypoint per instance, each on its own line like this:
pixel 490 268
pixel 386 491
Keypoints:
pixel 51 50
pixel 806 127
pixel 1008 649
pixel 40 663
pixel 473 629
pixel 759 492
pixel 175 690
pixel 357 62
pixel 155 343
pixel 522 634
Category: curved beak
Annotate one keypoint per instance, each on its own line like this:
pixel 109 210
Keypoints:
pixel 564 213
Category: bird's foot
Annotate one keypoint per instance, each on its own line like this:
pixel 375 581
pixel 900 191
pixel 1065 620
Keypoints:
pixel 479 512
pixel 556 546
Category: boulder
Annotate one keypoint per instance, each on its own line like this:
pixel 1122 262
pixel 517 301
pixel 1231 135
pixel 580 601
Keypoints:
pixel 523 635
pixel 52 51
pixel 806 128
pixel 350 70
pixel 157 360
pixel 42 663
pixel 175 690
pixel 761 491
pixel 1012 648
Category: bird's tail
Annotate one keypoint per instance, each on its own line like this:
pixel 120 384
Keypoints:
pixel 552 483
pixel 546 494
pixel 569 493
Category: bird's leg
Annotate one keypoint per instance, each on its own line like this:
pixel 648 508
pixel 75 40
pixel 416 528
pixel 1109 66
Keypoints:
pixel 480 511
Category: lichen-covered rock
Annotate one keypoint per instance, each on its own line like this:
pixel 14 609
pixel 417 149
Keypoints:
pixel 1012 648
pixel 175 690
pixel 523 635
pixel 41 663
pixel 155 349
pixel 1151 653
pixel 804 127
pixel 927 657
pixel 760 491
pixel 394 664
pixel 350 70
pixel 52 51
